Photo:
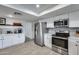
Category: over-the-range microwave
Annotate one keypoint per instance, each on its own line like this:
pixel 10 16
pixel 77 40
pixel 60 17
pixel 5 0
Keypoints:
pixel 61 23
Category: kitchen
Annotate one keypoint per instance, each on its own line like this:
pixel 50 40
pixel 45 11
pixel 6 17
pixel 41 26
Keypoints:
pixel 62 33
pixel 57 30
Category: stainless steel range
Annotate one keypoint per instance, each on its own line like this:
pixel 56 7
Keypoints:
pixel 60 42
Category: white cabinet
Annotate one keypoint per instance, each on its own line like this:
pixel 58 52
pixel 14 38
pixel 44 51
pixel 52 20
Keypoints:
pixel 18 38
pixel 64 16
pixel 15 39
pixel 60 17
pixel 21 38
pixel 7 41
pixel 74 19
pixel 73 46
pixel 0 43
pixel 48 40
pixel 50 24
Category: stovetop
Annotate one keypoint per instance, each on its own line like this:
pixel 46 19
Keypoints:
pixel 64 35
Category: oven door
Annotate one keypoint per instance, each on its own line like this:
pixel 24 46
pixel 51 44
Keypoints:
pixel 60 42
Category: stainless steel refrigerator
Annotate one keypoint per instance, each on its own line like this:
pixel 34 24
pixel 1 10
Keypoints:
pixel 40 29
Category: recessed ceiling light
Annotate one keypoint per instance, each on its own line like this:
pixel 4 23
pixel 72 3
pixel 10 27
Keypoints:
pixel 37 6
pixel 10 16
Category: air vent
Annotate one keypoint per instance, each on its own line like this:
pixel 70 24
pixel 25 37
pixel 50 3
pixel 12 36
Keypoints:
pixel 17 13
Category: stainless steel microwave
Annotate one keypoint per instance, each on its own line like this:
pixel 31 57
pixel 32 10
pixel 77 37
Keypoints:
pixel 61 23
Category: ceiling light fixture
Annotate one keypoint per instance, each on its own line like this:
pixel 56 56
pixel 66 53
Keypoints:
pixel 37 6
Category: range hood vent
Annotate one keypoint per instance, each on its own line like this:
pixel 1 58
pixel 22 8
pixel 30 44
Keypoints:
pixel 17 13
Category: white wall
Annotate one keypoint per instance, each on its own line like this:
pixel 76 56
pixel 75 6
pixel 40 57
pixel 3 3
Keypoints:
pixel 27 26
pixel 29 30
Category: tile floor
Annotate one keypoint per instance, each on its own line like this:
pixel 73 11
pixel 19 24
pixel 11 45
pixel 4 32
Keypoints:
pixel 28 48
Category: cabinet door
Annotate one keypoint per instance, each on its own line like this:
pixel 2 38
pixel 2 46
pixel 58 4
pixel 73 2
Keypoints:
pixel 72 48
pixel 15 39
pixel 64 16
pixel 77 47
pixel 7 42
pixel 0 43
pixel 74 19
pixel 21 38
pixel 48 41
pixel 50 25
pixel 45 39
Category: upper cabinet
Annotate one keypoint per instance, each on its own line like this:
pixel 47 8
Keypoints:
pixel 74 19
pixel 60 17
pixel 50 24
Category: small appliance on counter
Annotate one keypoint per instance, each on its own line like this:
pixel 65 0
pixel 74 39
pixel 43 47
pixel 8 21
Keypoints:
pixel 9 32
pixel 19 30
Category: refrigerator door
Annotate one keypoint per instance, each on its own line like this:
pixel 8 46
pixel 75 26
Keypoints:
pixel 37 39
pixel 39 33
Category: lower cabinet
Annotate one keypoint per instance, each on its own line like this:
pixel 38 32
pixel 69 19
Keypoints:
pixel 73 47
pixel 48 40
pixel 0 43
pixel 18 39
pixel 9 40
pixel 21 38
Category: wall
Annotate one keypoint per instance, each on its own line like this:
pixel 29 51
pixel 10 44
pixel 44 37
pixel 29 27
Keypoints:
pixel 27 26
pixel 29 30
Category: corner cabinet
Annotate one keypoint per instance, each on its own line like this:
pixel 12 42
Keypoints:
pixel 50 24
pixel 73 46
pixel 74 19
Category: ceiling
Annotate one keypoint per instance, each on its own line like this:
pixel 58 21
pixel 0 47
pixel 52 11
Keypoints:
pixel 5 11
pixel 31 13
pixel 32 7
